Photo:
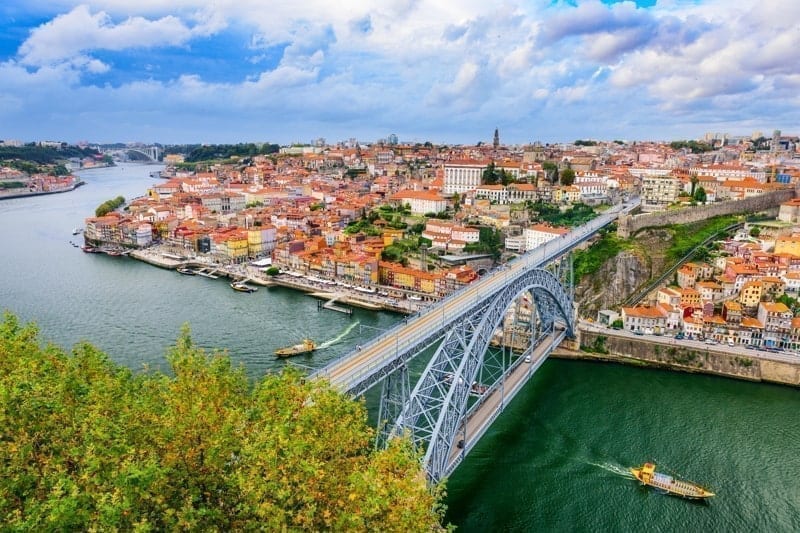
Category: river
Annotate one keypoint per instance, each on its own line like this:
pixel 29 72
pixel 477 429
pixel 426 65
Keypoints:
pixel 554 461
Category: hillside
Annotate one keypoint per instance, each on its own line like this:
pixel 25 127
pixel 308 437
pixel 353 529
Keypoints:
pixel 605 284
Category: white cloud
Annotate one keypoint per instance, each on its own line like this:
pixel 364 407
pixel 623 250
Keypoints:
pixel 72 34
pixel 427 63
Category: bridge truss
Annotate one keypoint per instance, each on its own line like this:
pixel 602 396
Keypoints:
pixel 535 310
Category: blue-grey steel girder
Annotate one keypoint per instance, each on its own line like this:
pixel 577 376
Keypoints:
pixel 438 403
pixel 395 390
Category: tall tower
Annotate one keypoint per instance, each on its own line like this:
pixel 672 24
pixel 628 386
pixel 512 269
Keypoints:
pixel 496 142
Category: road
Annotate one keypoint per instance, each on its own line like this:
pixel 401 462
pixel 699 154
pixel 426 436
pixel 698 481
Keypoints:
pixel 785 356
pixel 494 401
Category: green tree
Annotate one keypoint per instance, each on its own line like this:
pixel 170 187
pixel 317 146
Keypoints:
pixel 755 231
pixel 489 176
pixel 456 202
pixel 88 445
pixel 567 177
pixel 699 195
pixel 109 206
pixel 694 180
pixel 550 170
pixel 490 241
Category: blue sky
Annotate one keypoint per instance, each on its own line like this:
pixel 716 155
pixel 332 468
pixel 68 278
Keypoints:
pixel 185 71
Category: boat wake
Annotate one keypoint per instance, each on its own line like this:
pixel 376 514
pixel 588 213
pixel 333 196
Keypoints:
pixel 615 469
pixel 339 337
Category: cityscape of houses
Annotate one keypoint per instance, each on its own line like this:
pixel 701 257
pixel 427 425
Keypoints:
pixel 297 208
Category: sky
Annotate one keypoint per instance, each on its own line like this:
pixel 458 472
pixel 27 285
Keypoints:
pixel 445 71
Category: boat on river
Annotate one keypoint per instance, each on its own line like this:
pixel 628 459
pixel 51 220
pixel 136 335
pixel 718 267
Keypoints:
pixel 647 475
pixel 242 287
pixel 186 271
pixel 307 346
pixel 76 231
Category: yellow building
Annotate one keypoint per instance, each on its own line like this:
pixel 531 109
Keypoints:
pixel 787 245
pixel 689 297
pixel 391 235
pixel 751 293
pixel 238 247
pixel 254 245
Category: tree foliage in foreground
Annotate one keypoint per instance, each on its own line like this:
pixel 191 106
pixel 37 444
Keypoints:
pixel 88 445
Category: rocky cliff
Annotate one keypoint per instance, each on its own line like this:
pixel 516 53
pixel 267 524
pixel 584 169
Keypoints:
pixel 621 275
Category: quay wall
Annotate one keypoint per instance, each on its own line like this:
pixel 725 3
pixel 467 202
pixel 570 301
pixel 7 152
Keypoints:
pixel 671 354
pixel 256 278
pixel 628 225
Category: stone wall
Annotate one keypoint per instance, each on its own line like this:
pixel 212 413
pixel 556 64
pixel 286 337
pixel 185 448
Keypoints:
pixel 629 224
pixel 670 353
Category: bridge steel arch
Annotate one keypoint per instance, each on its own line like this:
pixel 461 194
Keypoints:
pixel 461 326
pixel 437 407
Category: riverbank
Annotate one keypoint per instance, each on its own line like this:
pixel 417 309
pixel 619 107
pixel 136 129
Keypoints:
pixel 667 353
pixel 250 274
pixel 41 193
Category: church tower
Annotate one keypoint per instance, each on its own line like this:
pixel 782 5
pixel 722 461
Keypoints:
pixel 496 142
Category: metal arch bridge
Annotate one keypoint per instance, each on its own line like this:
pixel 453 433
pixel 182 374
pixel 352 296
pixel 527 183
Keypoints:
pixel 150 153
pixel 466 384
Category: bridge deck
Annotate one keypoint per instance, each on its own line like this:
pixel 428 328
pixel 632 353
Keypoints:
pixel 494 401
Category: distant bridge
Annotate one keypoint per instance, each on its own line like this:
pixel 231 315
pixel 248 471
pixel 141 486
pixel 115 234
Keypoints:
pixel 471 376
pixel 149 153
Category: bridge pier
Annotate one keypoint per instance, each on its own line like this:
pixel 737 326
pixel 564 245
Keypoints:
pixel 395 390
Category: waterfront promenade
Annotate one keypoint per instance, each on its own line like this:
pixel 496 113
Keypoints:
pixel 163 258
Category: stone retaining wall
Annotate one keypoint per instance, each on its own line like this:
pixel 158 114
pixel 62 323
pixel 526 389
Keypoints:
pixel 676 356
pixel 629 224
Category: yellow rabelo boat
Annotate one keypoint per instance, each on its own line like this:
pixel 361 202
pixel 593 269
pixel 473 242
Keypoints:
pixel 307 346
pixel 685 489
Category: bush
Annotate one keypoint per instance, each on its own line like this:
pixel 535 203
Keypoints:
pixel 88 445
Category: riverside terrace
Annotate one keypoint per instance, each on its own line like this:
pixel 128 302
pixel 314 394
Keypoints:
pixel 393 299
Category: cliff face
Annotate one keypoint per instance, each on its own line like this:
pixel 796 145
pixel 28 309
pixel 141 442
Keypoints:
pixel 621 275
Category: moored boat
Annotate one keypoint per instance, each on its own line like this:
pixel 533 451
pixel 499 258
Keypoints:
pixel 186 271
pixel 307 346
pixel 242 287
pixel 647 475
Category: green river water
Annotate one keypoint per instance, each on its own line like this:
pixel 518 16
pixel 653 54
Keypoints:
pixel 554 461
